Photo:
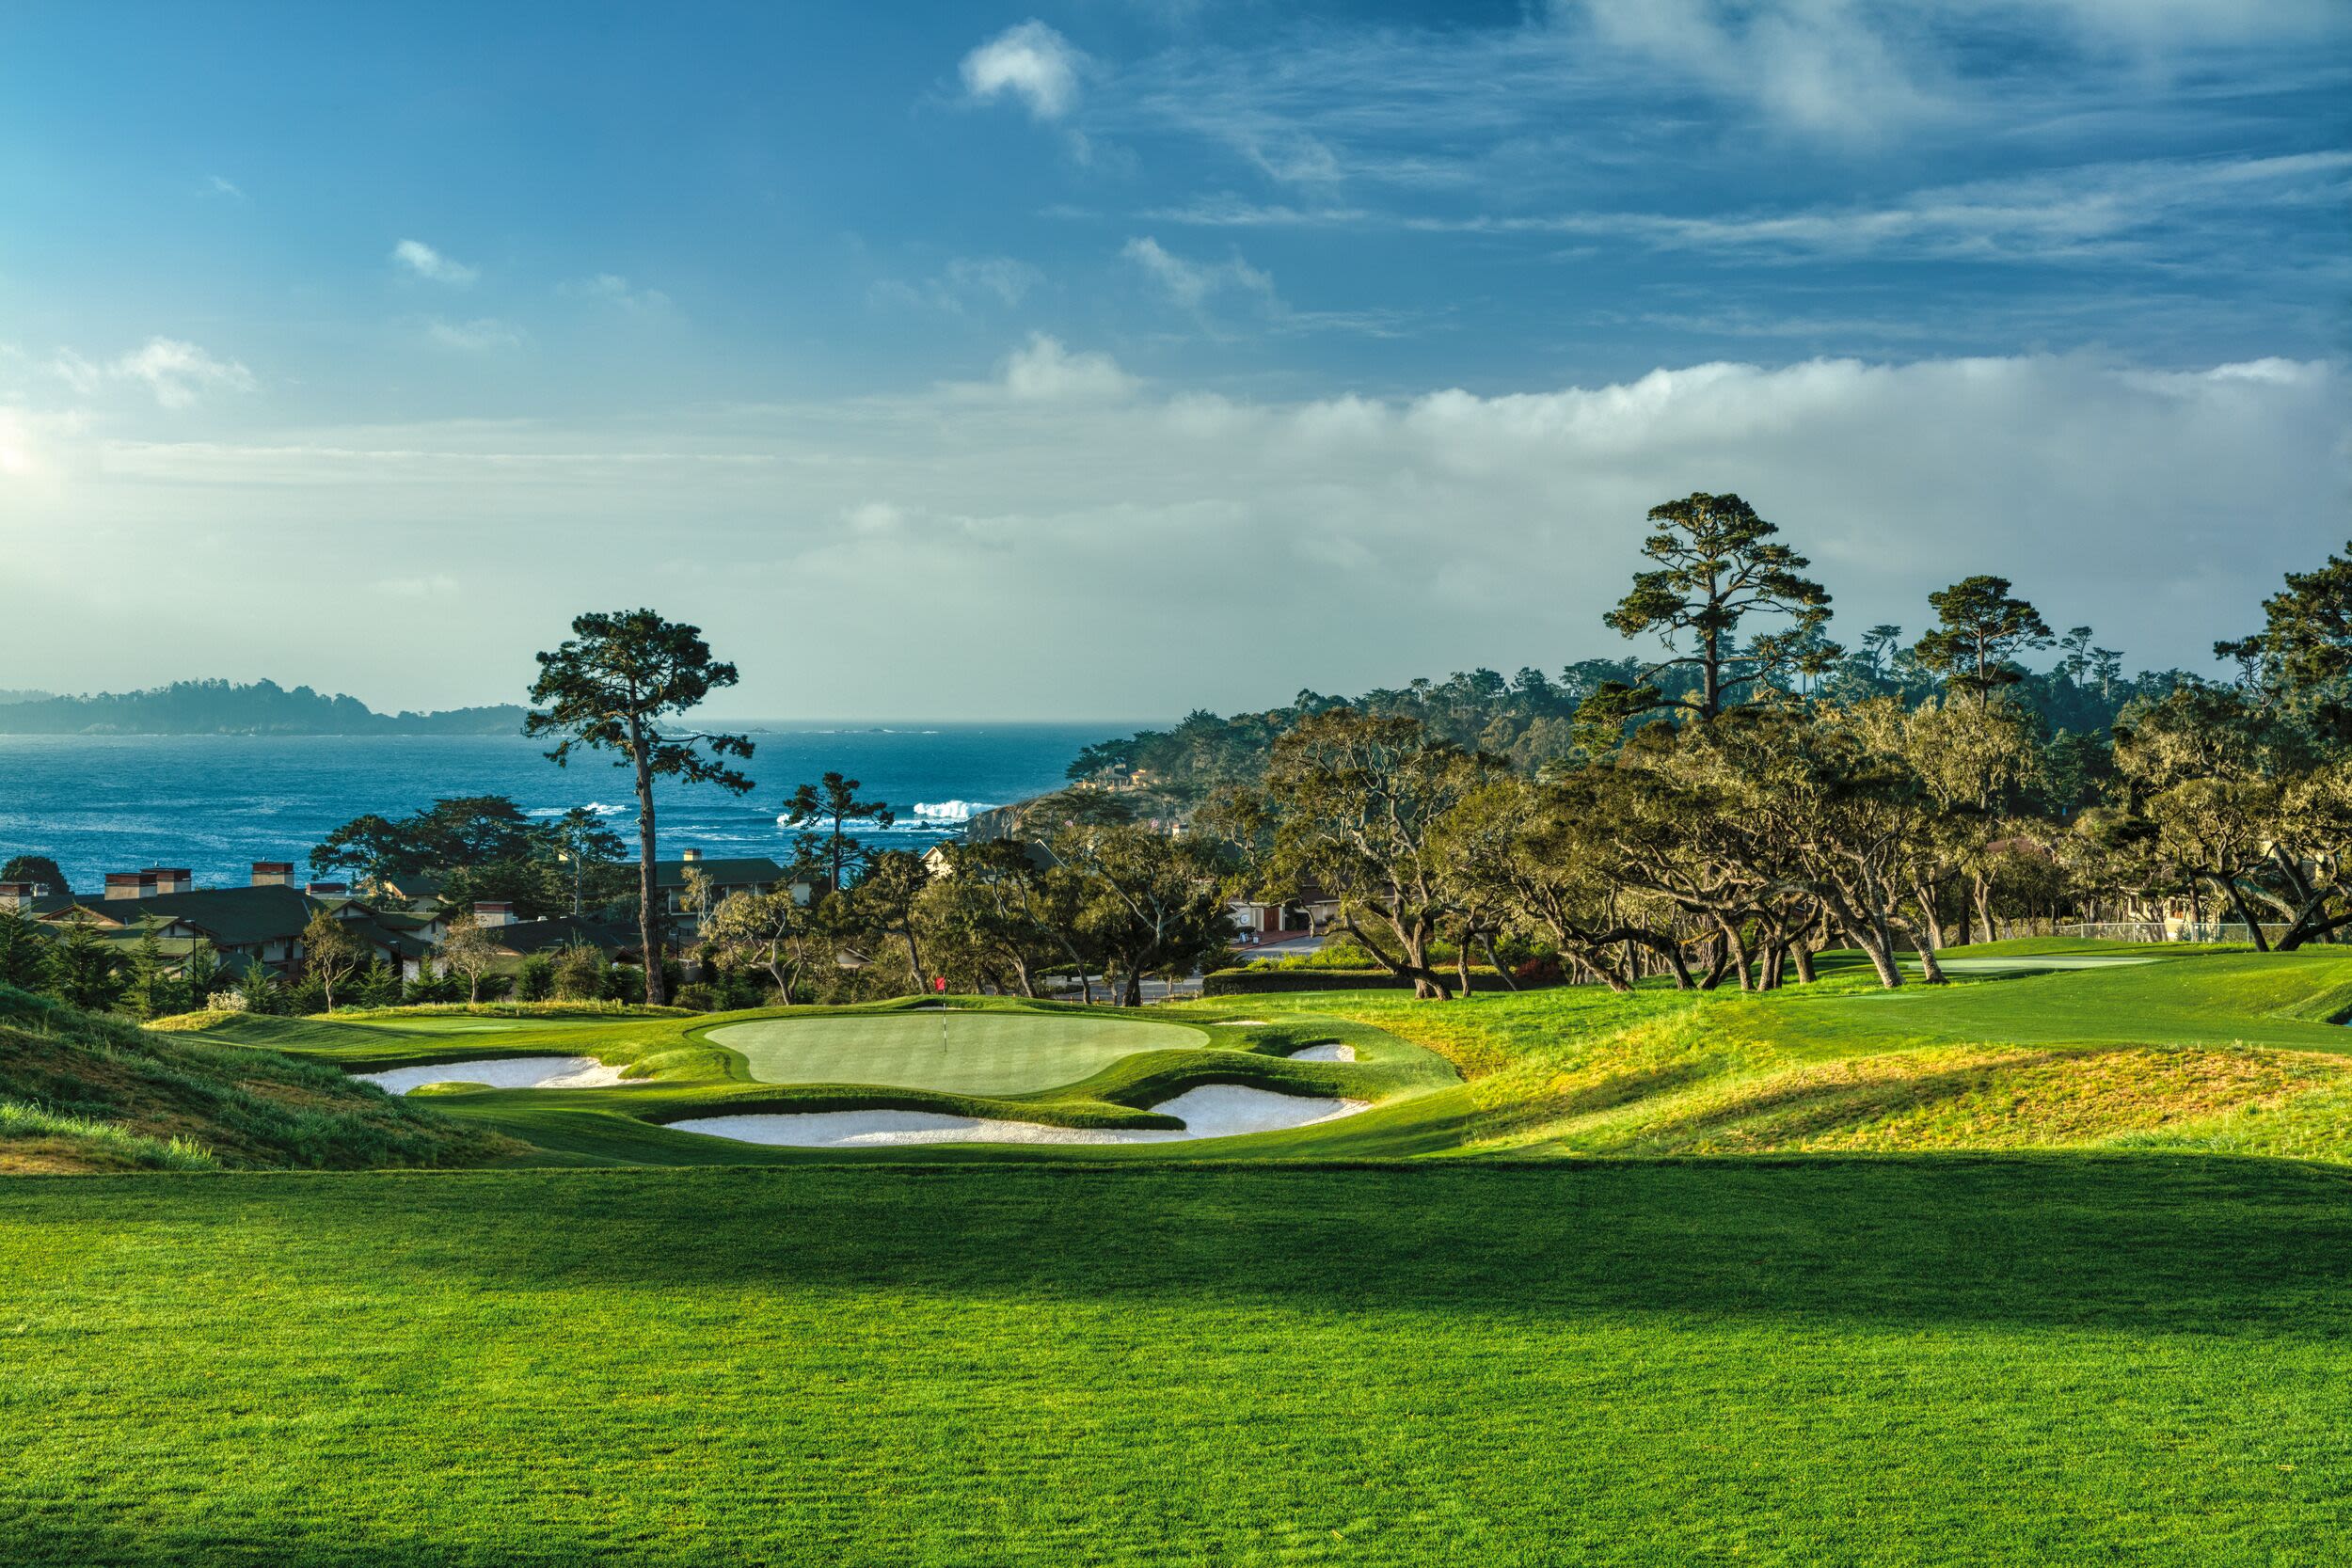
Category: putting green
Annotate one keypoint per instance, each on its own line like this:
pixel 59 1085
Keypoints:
pixel 961 1053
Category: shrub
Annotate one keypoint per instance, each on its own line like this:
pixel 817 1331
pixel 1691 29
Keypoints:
pixel 535 981
pixel 578 973
pixel 378 986
pixel 429 987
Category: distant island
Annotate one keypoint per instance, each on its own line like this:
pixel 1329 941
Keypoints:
pixel 225 708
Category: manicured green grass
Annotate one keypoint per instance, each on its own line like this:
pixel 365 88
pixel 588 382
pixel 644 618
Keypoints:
pixel 965 1052
pixel 1989 1360
pixel 2202 1049
pixel 1427 1334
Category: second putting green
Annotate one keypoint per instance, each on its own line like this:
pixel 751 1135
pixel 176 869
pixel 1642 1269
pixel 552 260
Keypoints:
pixel 960 1052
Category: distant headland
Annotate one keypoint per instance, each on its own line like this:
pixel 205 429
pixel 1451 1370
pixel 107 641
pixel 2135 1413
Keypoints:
pixel 225 707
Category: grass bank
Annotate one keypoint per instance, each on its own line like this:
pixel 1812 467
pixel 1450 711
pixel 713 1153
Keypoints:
pixel 80 1093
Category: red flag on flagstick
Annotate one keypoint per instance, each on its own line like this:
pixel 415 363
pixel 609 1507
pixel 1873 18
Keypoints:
pixel 940 985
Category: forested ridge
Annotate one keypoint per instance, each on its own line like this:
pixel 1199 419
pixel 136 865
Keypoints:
pixel 1531 719
pixel 227 707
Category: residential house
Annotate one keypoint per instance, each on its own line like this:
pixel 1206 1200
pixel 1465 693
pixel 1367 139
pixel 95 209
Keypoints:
pixel 718 880
pixel 261 922
pixel 521 939
pixel 1308 912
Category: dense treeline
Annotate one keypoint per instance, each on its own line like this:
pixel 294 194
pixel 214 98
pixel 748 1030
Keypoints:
pixel 1725 812
pixel 1530 719
pixel 1715 815
pixel 223 707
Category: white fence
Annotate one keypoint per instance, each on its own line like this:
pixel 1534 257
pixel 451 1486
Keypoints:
pixel 2171 931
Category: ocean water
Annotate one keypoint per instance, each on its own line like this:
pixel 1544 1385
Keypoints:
pixel 218 803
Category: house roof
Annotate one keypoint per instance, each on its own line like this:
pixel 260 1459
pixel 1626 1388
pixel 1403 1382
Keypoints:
pixel 723 873
pixel 524 937
pixel 1032 850
pixel 231 916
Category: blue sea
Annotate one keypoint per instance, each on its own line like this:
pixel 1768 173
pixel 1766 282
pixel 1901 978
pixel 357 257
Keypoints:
pixel 218 803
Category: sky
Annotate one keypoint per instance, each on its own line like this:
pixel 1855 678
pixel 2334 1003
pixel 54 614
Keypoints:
pixel 1110 359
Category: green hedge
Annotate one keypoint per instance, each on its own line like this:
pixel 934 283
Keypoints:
pixel 1246 982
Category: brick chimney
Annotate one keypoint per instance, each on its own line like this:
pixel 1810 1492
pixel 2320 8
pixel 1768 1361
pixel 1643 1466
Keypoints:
pixel 129 884
pixel 170 879
pixel 16 896
pixel 330 890
pixel 690 856
pixel 273 872
pixel 493 912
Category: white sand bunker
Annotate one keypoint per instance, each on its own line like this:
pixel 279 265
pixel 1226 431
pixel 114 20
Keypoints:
pixel 1334 1051
pixel 1240 1023
pixel 1211 1111
pixel 501 1073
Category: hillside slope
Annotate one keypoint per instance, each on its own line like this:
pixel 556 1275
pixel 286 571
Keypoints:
pixel 2202 1051
pixel 80 1093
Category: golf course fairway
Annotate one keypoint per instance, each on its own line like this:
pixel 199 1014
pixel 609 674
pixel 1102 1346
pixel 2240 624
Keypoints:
pixel 2046 1266
pixel 2022 1359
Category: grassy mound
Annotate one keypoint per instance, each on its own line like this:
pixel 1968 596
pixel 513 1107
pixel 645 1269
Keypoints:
pixel 82 1094
pixel 2202 1050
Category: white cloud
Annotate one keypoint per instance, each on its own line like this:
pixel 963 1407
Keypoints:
pixel 178 372
pixel 427 262
pixel 1819 66
pixel 218 185
pixel 1042 371
pixel 874 517
pixel 2082 212
pixel 474 336
pixel 1470 529
pixel 77 372
pixel 1191 283
pixel 1030 62
pixel 608 288
pixel 965 281
pixel 1582 98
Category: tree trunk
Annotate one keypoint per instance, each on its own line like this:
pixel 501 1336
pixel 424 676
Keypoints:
pixel 1671 952
pixel 1803 952
pixel 1736 944
pixel 1131 987
pixel 1980 889
pixel 1461 962
pixel 1871 936
pixel 1412 941
pixel 2253 927
pixel 1718 961
pixel 1926 894
pixel 648 916
pixel 1510 981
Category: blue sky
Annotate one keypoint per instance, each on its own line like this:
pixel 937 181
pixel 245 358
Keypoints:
pixel 1108 357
